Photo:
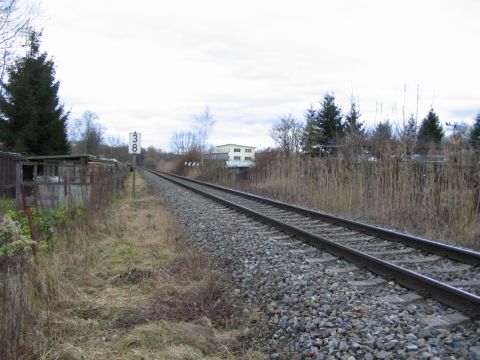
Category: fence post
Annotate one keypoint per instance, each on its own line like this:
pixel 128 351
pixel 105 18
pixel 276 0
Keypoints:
pixel 28 212
pixel 18 185
pixel 68 195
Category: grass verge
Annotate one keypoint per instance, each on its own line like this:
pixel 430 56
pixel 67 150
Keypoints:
pixel 134 291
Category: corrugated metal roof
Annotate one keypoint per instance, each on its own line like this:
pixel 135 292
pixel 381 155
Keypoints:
pixel 62 157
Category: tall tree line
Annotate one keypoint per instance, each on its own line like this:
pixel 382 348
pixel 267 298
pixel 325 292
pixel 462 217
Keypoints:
pixel 326 128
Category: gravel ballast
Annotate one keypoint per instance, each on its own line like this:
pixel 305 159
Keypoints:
pixel 309 305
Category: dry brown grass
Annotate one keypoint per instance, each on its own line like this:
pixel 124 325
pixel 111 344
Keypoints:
pixel 32 286
pixel 191 290
pixel 15 309
pixel 134 292
pixel 435 200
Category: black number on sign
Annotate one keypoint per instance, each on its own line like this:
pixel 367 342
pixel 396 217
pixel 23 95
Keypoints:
pixel 134 137
pixel 134 148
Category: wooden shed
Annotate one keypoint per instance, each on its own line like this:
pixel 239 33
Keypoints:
pixel 52 181
pixel 8 173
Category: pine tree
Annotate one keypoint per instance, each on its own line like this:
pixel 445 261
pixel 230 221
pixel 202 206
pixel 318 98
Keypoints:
pixel 475 133
pixel 329 120
pixel 410 134
pixel 33 120
pixel 382 132
pixel 410 131
pixel 310 133
pixel 310 114
pixel 353 126
pixel 323 126
pixel 430 129
pixel 381 139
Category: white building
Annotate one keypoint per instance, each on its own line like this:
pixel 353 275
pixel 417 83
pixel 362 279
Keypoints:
pixel 238 155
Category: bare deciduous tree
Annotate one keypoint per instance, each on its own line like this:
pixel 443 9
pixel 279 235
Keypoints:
pixel 287 133
pixel 15 22
pixel 203 125
pixel 88 133
pixel 114 147
pixel 183 142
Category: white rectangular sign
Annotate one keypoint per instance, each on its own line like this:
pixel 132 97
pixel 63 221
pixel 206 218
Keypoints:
pixel 135 143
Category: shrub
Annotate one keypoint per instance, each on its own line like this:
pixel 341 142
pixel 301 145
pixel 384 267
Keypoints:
pixel 12 241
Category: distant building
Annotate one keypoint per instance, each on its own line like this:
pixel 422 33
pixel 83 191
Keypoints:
pixel 216 156
pixel 237 152
pixel 238 155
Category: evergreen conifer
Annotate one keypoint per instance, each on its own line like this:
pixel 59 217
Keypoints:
pixel 323 126
pixel 310 133
pixel 353 126
pixel 410 131
pixel 32 118
pixel 430 129
pixel 329 119
pixel 475 133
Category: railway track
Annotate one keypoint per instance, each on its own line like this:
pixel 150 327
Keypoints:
pixel 449 274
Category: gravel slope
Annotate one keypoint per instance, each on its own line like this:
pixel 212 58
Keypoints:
pixel 307 303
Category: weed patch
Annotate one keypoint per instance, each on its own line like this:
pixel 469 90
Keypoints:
pixel 6 205
pixel 134 276
pixel 190 290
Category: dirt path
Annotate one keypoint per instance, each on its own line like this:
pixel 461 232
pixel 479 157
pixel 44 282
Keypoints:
pixel 145 297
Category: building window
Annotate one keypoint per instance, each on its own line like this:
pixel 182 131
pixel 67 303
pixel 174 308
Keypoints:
pixel 248 150
pixel 236 158
pixel 236 150
pixel 248 158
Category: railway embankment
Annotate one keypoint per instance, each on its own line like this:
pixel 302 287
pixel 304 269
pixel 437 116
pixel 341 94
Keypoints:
pixel 308 304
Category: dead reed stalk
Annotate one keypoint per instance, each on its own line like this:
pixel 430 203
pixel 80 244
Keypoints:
pixel 437 200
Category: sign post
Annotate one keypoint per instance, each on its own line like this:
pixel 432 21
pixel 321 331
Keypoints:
pixel 134 147
pixel 134 165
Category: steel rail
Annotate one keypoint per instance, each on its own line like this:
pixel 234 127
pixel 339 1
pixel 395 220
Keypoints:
pixel 465 256
pixel 466 302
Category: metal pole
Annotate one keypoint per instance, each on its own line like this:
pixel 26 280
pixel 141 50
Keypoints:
pixel 28 213
pixel 134 164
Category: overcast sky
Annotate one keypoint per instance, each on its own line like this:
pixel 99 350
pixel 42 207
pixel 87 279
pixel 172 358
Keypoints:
pixel 150 65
